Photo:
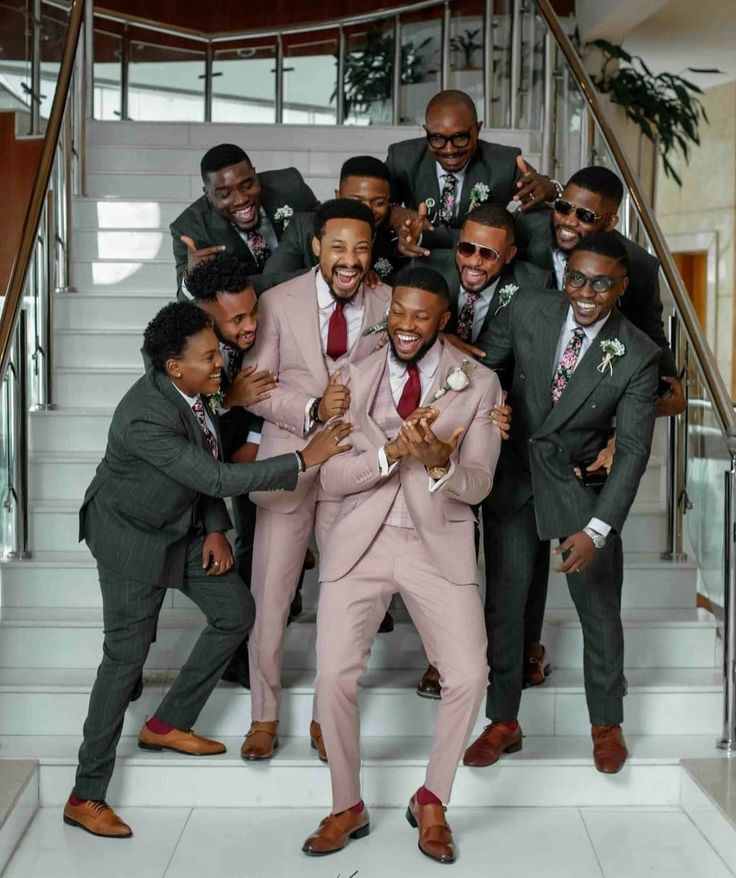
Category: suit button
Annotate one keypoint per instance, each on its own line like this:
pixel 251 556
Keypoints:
pixel 594 405
pixel 522 376
pixel 532 441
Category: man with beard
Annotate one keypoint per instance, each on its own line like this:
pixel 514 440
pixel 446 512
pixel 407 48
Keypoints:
pixel 311 328
pixel 365 179
pixel 240 212
pixel 424 453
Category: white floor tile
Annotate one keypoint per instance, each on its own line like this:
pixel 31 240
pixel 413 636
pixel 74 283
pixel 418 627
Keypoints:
pixel 50 849
pixel 638 843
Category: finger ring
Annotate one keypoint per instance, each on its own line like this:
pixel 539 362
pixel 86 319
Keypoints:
pixel 337 440
pixel 216 563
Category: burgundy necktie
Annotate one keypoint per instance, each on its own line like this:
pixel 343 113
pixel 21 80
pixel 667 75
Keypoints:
pixel 337 332
pixel 412 392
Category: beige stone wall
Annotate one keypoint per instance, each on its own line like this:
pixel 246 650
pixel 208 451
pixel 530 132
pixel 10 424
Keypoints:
pixel 706 206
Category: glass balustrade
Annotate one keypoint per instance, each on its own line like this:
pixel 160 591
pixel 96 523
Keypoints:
pixel 310 78
pixel 244 83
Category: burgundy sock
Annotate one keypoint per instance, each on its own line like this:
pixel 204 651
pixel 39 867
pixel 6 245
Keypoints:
pixel 158 727
pixel 509 726
pixel 73 800
pixel 427 797
pixel 357 808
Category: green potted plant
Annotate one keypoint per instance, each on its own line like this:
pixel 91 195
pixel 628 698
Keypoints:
pixel 467 45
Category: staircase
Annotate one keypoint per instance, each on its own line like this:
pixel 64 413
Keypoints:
pixel 140 177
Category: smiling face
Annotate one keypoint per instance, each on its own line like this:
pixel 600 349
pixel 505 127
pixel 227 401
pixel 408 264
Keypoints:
pixel 588 306
pixel 344 254
pixel 415 319
pixel 371 191
pixel 235 316
pixel 569 229
pixel 447 119
pixel 477 271
pixel 198 368
pixel 235 194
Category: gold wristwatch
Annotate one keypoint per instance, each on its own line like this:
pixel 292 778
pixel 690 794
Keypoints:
pixel 437 472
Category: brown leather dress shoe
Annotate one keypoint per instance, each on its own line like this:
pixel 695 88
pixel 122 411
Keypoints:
pixel 260 741
pixel 317 741
pixel 609 748
pixel 429 685
pixel 334 831
pixel 493 741
pixel 179 741
pixel 97 818
pixel 435 836
pixel 537 666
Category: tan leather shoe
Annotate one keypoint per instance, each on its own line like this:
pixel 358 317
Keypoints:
pixel 537 666
pixel 180 742
pixel 429 685
pixel 609 748
pixel 435 835
pixel 260 741
pixel 97 818
pixel 492 742
pixel 334 831
pixel 317 741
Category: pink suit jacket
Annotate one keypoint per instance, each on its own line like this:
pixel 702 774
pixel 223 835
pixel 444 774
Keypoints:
pixel 289 344
pixel 444 520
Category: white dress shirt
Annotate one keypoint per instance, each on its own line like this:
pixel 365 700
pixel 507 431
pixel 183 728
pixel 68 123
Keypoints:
pixel 591 333
pixel 459 178
pixel 482 304
pixel 559 261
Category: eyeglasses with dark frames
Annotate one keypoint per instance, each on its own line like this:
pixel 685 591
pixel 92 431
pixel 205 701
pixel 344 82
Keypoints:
pixel 459 139
pixel 600 283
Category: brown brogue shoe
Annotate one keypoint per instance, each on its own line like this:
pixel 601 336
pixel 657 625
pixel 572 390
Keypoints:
pixel 429 685
pixel 435 835
pixel 609 748
pixel 492 742
pixel 97 818
pixel 334 831
pixel 537 666
pixel 317 742
pixel 260 741
pixel 187 743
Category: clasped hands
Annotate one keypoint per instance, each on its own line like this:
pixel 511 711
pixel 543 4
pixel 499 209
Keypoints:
pixel 417 439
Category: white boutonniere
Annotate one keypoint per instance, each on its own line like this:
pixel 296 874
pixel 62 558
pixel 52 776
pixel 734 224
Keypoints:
pixel 612 349
pixel 214 401
pixel 457 378
pixel 505 295
pixel 478 194
pixel 381 326
pixel 283 215
pixel 383 268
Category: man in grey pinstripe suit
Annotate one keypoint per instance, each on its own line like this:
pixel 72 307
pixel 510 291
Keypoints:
pixel 154 518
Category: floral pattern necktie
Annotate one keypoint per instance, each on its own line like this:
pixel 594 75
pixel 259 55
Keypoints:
pixel 466 317
pixel 258 247
pixel 198 409
pixel 447 201
pixel 567 363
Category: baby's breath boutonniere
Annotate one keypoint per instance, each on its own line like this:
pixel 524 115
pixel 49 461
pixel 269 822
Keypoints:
pixel 478 194
pixel 214 401
pixel 612 349
pixel 505 295
pixel 381 326
pixel 283 215
pixel 457 378
pixel 383 268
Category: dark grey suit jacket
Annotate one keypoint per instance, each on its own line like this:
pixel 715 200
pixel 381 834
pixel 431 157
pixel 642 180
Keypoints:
pixel 641 303
pixel 547 442
pixel 414 179
pixel 158 481
pixel 207 228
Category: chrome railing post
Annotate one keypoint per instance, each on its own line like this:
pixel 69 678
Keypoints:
pixel 396 78
pixel 488 63
pixel 549 116
pixel 445 53
pixel 124 72
pixel 676 460
pixel 35 94
pixel 88 78
pixel 16 498
pixel 279 103
pixel 209 57
pixel 340 85
pixel 516 41
pixel 727 740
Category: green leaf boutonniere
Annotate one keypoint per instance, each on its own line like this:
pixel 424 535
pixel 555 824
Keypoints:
pixel 505 295
pixel 214 401
pixel 612 349
pixel 478 194
pixel 283 215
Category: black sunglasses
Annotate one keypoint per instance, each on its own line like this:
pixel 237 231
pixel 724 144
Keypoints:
pixel 465 248
pixel 582 213
pixel 459 139
pixel 601 283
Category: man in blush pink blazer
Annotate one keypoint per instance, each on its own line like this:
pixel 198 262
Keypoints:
pixel 424 452
pixel 310 329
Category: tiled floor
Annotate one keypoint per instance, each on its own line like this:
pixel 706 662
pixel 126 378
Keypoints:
pixel 243 843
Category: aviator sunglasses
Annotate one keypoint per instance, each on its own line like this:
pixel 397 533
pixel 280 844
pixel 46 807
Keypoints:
pixel 467 249
pixel 582 213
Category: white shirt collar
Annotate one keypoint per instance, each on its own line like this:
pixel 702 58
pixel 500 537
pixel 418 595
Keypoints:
pixel 487 293
pixel 428 365
pixel 591 332
pixel 458 175
pixel 325 299
pixel 191 400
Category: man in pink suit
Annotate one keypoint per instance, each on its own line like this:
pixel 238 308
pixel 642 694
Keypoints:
pixel 424 450
pixel 310 330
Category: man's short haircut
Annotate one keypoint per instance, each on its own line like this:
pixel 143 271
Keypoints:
pixel 167 334
pixel 600 180
pixel 221 156
pixel 224 273
pixel 604 244
pixel 452 96
pixel 422 277
pixel 494 216
pixel 365 166
pixel 340 208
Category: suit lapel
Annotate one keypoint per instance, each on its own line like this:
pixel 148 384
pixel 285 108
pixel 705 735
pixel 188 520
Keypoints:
pixel 427 185
pixel 365 378
pixel 546 338
pixel 303 316
pixel 506 277
pixel 475 173
pixel 448 359
pixel 374 311
pixel 189 419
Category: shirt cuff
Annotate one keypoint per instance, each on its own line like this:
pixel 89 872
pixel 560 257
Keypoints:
pixel 600 527
pixel 253 437
pixel 185 289
pixel 436 485
pixel 384 468
pixel 308 419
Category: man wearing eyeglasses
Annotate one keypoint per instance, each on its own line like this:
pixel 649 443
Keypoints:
pixel 440 177
pixel 578 363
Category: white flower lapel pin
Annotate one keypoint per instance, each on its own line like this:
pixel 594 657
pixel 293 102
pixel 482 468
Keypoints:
pixel 381 326
pixel 612 349
pixel 283 215
pixel 457 378
pixel 214 401
pixel 478 194
pixel 383 267
pixel 505 295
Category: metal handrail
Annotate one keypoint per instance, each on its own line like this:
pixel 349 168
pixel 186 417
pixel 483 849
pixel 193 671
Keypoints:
pixel 716 387
pixel 14 296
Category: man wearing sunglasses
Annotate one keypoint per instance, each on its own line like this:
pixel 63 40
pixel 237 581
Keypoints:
pixel 438 178
pixel 578 364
